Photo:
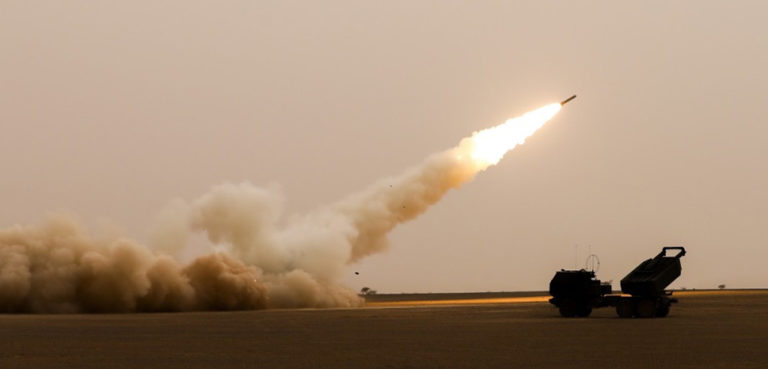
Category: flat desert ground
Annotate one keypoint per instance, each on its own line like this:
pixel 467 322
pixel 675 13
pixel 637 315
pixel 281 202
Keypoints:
pixel 707 329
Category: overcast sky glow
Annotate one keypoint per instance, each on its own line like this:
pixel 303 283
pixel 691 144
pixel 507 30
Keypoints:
pixel 111 109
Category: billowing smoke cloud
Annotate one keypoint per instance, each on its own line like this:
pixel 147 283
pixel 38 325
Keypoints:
pixel 58 267
pixel 255 258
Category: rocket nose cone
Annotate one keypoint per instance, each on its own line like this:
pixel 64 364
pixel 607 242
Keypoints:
pixel 567 100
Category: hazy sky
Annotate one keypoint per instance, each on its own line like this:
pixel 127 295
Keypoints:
pixel 110 109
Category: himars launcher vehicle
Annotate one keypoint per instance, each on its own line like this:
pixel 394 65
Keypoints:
pixel 577 292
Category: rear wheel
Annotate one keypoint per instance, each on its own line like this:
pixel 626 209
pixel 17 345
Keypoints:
pixel 646 308
pixel 662 311
pixel 625 308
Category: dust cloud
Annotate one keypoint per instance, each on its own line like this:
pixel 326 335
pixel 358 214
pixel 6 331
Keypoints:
pixel 255 257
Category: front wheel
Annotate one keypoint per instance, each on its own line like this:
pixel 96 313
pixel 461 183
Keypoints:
pixel 646 308
pixel 584 311
pixel 662 311
pixel 625 308
pixel 568 308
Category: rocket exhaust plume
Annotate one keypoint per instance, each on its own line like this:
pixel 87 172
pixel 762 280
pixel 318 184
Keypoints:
pixel 255 259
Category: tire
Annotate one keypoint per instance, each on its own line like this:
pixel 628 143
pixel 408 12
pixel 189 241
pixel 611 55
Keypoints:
pixel 584 311
pixel 625 308
pixel 568 308
pixel 662 311
pixel 646 308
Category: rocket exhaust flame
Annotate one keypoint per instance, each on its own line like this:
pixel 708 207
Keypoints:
pixel 490 145
pixel 253 260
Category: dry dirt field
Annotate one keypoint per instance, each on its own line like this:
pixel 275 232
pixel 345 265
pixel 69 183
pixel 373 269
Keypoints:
pixel 719 329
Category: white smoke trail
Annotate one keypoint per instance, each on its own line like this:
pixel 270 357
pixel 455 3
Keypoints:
pixel 59 267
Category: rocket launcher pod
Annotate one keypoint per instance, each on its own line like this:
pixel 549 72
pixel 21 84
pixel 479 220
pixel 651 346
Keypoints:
pixel 652 276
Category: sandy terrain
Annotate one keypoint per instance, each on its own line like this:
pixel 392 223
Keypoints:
pixel 721 329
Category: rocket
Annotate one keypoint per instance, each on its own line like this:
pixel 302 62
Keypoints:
pixel 567 100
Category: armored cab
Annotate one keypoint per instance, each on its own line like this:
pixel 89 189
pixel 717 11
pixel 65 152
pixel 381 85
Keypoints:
pixel 576 292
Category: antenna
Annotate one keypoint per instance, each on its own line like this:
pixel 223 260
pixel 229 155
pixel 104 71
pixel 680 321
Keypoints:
pixel 592 263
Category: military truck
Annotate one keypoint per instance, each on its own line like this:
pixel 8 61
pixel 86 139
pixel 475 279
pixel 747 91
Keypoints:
pixel 576 292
